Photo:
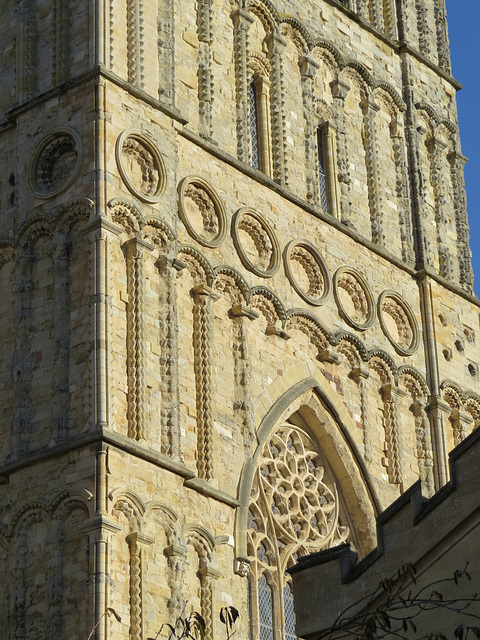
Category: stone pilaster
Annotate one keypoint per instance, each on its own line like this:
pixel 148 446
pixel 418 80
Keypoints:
pixel 422 27
pixel 61 391
pixel 361 376
pixel 242 21
pixel 202 342
pixel 208 575
pixel 436 150
pixel 21 364
pixel 443 49
pixel 177 556
pixel 61 41
pixel 166 51
pixel 402 192
pixel 457 164
pixel 308 68
pixel 423 442
pixel 339 92
pixel 376 14
pixel 276 45
pixel 370 109
pixel 205 75
pixel 169 270
pixel 242 316
pixel 135 43
pixel 136 542
pixel 393 447
pixel 27 62
pixel 99 232
pixel 439 412
pixel 390 18
pixel 134 250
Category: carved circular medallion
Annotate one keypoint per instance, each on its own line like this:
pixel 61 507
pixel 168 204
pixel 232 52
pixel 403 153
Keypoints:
pixel 201 211
pixel 354 298
pixel 140 165
pixel 56 163
pixel 398 323
pixel 307 271
pixel 256 243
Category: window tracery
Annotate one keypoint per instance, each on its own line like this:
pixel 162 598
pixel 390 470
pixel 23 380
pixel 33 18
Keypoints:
pixel 294 510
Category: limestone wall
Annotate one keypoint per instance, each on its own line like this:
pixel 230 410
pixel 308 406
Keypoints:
pixel 189 343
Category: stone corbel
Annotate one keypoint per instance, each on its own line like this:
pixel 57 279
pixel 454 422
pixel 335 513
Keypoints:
pixel 242 310
pixel 358 373
pixel 242 567
pixel 202 292
pixel 207 570
pixel 339 89
pixel 273 330
pixel 308 66
pixel 328 355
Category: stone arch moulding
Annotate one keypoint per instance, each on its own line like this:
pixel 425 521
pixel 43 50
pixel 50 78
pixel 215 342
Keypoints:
pixel 56 163
pixel 360 297
pixel 308 394
pixel 316 271
pixel 392 304
pixel 209 210
pixel 262 236
pixel 140 165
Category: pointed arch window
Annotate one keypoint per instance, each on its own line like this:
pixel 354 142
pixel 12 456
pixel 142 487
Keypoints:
pixel 289 516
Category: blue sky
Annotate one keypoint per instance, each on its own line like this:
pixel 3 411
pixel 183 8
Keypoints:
pixel 464 25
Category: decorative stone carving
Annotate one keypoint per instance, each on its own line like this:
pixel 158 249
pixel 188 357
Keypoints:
pixel 276 44
pixel 141 166
pixel 354 298
pixel 202 347
pixel 398 323
pixel 256 243
pixel 307 271
pixel 241 22
pixel 294 510
pixel 135 42
pixel 56 163
pixel 201 211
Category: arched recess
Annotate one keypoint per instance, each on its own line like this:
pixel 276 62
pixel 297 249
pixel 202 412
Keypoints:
pixel 311 405
pixel 304 489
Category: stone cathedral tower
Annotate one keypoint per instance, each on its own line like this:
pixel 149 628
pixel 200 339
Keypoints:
pixel 237 318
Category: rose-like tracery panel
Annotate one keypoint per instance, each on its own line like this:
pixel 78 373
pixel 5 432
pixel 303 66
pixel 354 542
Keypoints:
pixel 294 510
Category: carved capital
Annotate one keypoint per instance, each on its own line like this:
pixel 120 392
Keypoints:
pixel 273 330
pixel 357 374
pixel 339 89
pixel 176 550
pixel 202 291
pixel 209 571
pixel 327 355
pixel 135 245
pixel 242 19
pixel 308 66
pixel 275 43
pixel 435 144
pixel 437 405
pixel 369 106
pixel 137 538
pixel 241 310
pixel 466 419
